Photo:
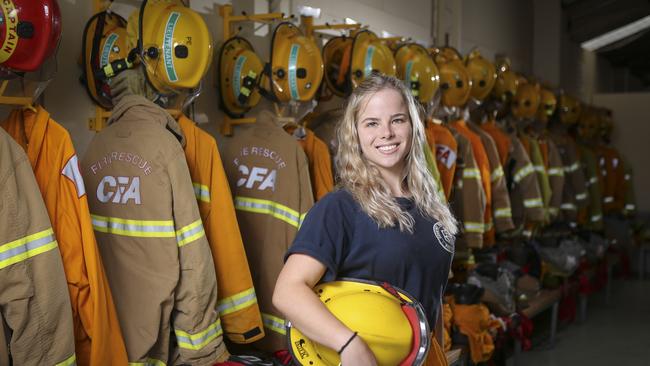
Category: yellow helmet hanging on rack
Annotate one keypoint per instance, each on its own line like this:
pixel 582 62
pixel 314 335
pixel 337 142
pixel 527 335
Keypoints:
pixel 589 122
pixel 569 108
pixel 389 320
pixel 103 46
pixel 526 101
pixel 419 72
pixel 173 43
pixel 239 71
pixel 369 54
pixel 483 75
pixel 454 78
pixel 336 58
pixel 296 68
pixel 547 105
pixel 506 84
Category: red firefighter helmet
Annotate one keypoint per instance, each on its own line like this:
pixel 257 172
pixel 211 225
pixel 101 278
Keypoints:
pixel 29 31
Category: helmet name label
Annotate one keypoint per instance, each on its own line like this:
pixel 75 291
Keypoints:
pixel 236 75
pixel 293 62
pixel 168 46
pixel 9 20
pixel 367 66
pixel 108 47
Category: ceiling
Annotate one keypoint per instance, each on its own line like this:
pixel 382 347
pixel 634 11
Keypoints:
pixel 587 19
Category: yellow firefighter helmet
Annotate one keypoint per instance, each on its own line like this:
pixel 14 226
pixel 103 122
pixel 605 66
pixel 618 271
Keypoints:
pixel 369 54
pixel 419 72
pixel 547 105
pixel 174 44
pixel 336 57
pixel 570 109
pixel 389 320
pixel 507 82
pixel 103 52
pixel 526 101
pixel 483 75
pixel 455 81
pixel 296 65
pixel 239 72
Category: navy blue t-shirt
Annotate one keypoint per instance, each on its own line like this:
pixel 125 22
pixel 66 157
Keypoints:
pixel 337 233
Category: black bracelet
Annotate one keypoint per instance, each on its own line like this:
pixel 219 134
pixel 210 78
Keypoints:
pixel 347 343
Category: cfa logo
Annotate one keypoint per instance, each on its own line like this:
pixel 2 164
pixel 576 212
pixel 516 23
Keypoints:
pixel 262 176
pixel 119 190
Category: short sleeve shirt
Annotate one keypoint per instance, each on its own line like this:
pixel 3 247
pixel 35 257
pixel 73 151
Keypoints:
pixel 337 233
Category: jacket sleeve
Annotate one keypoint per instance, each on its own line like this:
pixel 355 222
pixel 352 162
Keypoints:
pixel 524 179
pixel 195 318
pixel 322 170
pixel 433 169
pixel 237 302
pixel 304 186
pixel 470 198
pixel 502 212
pixel 556 179
pixel 595 208
pixel 98 336
pixel 33 297
pixel 574 176
pixel 542 177
pixel 630 197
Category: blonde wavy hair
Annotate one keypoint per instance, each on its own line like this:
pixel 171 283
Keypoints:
pixel 363 180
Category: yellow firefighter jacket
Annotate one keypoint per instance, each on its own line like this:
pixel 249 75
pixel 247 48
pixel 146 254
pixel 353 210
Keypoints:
pixel 98 338
pixel 34 303
pixel 151 238
pixel 555 171
pixel 594 210
pixel 240 315
pixel 442 143
pixel 468 199
pixel 269 177
pixel 535 155
pixel 575 193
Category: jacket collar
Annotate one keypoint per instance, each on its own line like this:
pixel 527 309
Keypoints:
pixel 32 127
pixel 134 108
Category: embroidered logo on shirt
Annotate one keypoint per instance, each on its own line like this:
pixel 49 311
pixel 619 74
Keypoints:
pixel 445 239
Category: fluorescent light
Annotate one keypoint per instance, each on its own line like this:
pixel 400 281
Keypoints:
pixel 616 34
pixel 308 11
pixel 350 21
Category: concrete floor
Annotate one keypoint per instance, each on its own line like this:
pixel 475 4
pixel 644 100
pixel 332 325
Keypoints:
pixel 616 334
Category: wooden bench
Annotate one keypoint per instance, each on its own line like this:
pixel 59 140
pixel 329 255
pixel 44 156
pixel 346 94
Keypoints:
pixel 545 299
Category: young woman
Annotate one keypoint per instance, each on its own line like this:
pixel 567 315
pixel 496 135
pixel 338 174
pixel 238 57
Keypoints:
pixel 385 223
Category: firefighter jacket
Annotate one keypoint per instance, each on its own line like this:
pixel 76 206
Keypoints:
pixel 237 303
pixel 35 314
pixel 269 177
pixel 318 157
pixel 484 168
pixel 536 158
pixel 628 188
pixel 151 238
pixel 468 198
pixel 500 138
pixel 98 338
pixel 432 167
pixel 324 127
pixel 594 210
pixel 613 175
pixel 501 210
pixel 525 194
pixel 555 171
pixel 575 193
pixel 446 151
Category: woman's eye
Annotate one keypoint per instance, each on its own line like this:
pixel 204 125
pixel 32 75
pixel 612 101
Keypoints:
pixel 371 124
pixel 398 120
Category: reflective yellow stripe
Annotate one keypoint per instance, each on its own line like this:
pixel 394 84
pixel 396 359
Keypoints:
pixel 237 302
pixel 596 218
pixel 474 227
pixel 527 233
pixel 581 196
pixel 608 199
pixel 556 172
pixel 148 362
pixel 72 360
pixel 199 340
pixel 279 211
pixel 190 233
pixel 137 228
pixel 630 207
pixel 593 180
pixel 533 202
pixel 202 192
pixel 627 177
pixel 540 168
pixel 496 174
pixel 568 207
pixel 472 173
pixel 502 213
pixel 572 168
pixel 26 247
pixel 523 173
pixel 274 323
pixel 553 210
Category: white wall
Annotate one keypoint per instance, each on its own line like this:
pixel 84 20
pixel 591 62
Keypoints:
pixel 630 137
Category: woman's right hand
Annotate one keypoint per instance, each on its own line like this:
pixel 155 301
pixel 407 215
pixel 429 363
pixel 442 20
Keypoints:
pixel 358 353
